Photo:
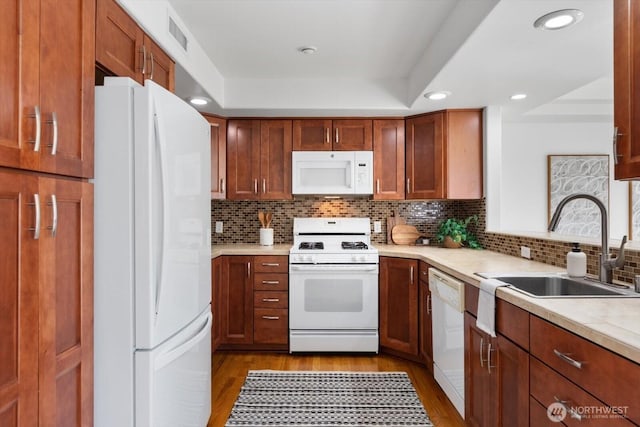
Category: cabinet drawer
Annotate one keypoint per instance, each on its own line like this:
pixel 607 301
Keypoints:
pixel 270 325
pixel 270 282
pixel 271 264
pixel 547 385
pixel 606 375
pixel 511 321
pixel 270 299
pixel 538 415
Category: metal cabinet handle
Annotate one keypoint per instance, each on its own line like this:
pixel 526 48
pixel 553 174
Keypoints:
pixel 616 134
pixel 153 65
pixel 255 186
pixel 481 348
pixel 567 406
pixel 271 264
pixel 408 182
pixel 36 228
pixel 377 186
pixel 270 299
pixel 566 358
pixel 143 67
pixel 337 136
pixel 54 215
pixel 428 304
pixel 411 274
pixel 54 139
pixel 264 185
pixel 222 185
pixel 36 115
pixel 249 269
pixel 270 282
pixel 328 137
pixel 489 350
pixel 271 317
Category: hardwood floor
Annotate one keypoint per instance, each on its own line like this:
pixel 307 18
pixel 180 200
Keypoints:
pixel 230 370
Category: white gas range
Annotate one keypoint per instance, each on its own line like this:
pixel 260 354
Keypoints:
pixel 333 286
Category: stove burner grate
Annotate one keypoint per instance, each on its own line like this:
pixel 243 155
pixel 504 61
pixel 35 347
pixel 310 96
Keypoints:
pixel 354 245
pixel 311 245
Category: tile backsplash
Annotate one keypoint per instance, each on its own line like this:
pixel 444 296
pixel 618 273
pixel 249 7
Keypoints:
pixel 241 225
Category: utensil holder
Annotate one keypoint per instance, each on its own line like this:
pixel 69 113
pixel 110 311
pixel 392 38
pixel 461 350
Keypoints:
pixel 266 236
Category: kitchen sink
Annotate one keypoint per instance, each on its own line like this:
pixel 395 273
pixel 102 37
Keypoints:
pixel 553 285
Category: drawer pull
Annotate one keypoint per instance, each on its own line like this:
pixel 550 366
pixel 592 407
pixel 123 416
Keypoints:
pixel 489 350
pixel 270 282
pixel 567 359
pixel 270 299
pixel 566 404
pixel 271 264
pixel 271 317
pixel 481 349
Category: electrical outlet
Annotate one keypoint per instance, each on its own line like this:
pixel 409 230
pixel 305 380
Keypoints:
pixel 525 252
pixel 377 226
pixel 219 227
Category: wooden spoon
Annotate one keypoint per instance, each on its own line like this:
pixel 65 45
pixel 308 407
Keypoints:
pixel 269 218
pixel 261 218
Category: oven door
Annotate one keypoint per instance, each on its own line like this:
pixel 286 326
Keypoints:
pixel 330 296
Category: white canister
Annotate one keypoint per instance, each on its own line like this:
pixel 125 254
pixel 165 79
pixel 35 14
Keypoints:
pixel 266 236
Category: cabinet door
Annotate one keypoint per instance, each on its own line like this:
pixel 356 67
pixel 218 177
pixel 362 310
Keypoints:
pixel 424 157
pixel 425 319
pixel 512 370
pixel 388 159
pixel 18 302
pixel 19 48
pixel 119 41
pixel 462 170
pixel 216 303
pixel 237 300
pixel 351 135
pixel 67 71
pixel 218 156
pixel 478 404
pixel 66 303
pixel 626 66
pixel 160 67
pixel 243 159
pixel 399 304
pixel 275 159
pixel 312 135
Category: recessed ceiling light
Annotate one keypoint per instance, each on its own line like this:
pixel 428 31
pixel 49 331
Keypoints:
pixel 437 96
pixel 518 96
pixel 199 100
pixel 559 19
pixel 308 50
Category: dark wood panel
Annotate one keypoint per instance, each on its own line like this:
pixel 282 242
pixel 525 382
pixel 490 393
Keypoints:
pixel 218 156
pixel 69 409
pixel 312 135
pixel 424 157
pixel 271 326
pixel 237 300
pixel 478 401
pixel 272 263
pixel 352 135
pixel 538 415
pixel 388 159
pixel 275 159
pixel 160 67
pixel 270 299
pixel 463 152
pixel 216 302
pixel 243 159
pixel 512 371
pixel 270 281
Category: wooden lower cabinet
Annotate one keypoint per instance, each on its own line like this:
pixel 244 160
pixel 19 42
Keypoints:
pixel 216 302
pixel 46 304
pixel 496 379
pixel 399 305
pixel 425 318
pixel 251 295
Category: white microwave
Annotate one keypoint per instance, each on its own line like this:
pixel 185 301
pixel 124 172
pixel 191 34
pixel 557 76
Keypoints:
pixel 332 172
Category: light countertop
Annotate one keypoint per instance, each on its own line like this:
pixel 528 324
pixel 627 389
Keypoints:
pixel 614 323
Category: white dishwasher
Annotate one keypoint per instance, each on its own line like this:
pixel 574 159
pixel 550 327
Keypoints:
pixel 447 300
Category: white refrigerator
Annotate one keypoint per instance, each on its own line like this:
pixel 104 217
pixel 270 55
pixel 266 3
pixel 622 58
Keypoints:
pixel 152 309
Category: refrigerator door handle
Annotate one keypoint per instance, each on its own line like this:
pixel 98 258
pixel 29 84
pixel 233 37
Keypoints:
pixel 178 350
pixel 163 211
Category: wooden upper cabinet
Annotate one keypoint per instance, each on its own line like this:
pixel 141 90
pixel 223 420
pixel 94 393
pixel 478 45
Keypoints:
pixel 626 67
pixel 388 159
pixel 259 159
pixel 46 123
pixel 123 48
pixel 218 156
pixel 275 159
pixel 336 135
pixel 444 155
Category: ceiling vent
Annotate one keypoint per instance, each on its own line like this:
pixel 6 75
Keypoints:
pixel 177 34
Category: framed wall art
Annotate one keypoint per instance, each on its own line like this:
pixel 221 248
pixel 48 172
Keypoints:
pixel 578 173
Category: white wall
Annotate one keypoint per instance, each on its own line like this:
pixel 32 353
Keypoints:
pixel 525 147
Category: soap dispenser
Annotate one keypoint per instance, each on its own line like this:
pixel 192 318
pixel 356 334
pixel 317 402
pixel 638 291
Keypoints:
pixel 576 262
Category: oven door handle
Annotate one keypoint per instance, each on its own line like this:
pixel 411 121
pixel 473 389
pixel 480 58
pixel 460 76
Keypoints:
pixel 333 267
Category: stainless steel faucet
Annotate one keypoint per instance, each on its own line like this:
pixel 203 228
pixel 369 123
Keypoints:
pixel 607 262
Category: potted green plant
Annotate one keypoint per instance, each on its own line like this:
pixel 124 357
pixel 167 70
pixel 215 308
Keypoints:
pixel 453 233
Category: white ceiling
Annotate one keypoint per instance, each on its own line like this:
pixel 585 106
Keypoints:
pixel 377 57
